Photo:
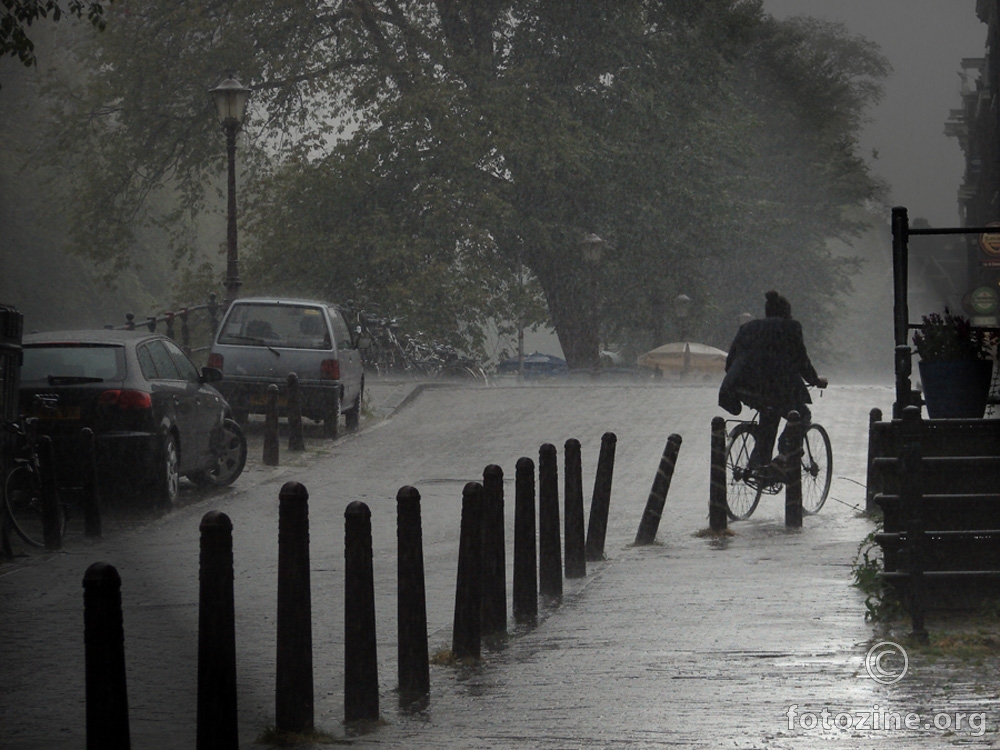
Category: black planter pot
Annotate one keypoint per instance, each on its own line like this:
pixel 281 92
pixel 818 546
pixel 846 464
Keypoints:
pixel 956 390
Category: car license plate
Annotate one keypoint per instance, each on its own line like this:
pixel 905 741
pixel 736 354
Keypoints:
pixel 59 412
pixel 261 400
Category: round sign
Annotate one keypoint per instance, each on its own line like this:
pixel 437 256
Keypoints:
pixel 985 300
pixel 989 242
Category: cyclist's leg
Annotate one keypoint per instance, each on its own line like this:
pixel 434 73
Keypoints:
pixel 767 429
pixel 805 419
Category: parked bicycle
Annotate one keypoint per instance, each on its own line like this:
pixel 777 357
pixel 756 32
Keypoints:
pixel 746 481
pixel 24 488
pixel 394 352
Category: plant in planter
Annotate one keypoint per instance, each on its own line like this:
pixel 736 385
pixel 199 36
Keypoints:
pixel 956 366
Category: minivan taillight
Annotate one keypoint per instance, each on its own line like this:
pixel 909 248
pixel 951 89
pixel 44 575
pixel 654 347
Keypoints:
pixel 330 369
pixel 126 400
pixel 215 360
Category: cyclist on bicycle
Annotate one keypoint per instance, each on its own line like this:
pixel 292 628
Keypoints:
pixel 767 369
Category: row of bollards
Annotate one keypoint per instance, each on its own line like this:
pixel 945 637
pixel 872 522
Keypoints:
pixel 52 508
pixel 480 602
pixel 717 505
pixel 296 435
pixel 480 597
pixel 217 725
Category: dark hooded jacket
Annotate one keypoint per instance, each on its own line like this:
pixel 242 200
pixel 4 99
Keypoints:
pixel 766 367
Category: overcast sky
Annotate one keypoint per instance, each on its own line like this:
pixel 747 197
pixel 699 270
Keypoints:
pixel 925 41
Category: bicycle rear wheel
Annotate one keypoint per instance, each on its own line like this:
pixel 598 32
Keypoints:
pixel 23 498
pixel 817 468
pixel 742 489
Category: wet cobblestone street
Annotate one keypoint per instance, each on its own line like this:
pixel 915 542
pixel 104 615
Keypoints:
pixel 742 641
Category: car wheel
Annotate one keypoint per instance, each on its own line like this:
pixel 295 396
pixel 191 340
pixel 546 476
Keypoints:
pixel 231 458
pixel 352 417
pixel 167 484
pixel 332 418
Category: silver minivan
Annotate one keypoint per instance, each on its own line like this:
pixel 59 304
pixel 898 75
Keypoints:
pixel 263 339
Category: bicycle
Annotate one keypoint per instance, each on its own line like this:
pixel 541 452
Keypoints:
pixel 24 489
pixel 746 482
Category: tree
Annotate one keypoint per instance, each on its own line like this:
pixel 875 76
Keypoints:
pixel 423 152
pixel 17 15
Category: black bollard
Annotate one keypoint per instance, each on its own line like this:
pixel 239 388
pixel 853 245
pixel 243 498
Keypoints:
pixel 271 448
pixel 550 581
pixel 104 642
pixel 296 440
pixel 467 631
pixel 718 516
pixel 600 503
pixel 293 694
pixel 573 532
pixel 52 513
pixel 414 660
pixel 217 718
pixel 360 652
pixel 494 559
pixel 793 478
pixel 525 593
pixel 91 489
pixel 650 522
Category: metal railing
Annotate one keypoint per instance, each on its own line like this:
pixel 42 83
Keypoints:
pixel 183 317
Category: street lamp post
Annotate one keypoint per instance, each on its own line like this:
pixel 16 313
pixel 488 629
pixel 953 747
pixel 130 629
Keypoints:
pixel 231 102
pixel 520 319
pixel 682 308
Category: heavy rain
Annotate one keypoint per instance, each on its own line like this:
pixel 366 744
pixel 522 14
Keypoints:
pixel 530 227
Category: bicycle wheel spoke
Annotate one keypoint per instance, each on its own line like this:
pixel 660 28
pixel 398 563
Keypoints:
pixel 742 489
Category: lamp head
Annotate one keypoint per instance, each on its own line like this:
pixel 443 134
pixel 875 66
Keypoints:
pixel 231 101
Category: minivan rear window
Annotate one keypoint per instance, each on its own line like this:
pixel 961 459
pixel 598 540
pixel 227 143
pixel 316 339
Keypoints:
pixel 70 361
pixel 285 326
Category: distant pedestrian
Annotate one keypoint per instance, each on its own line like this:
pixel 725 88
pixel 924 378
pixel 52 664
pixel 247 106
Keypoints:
pixel 767 369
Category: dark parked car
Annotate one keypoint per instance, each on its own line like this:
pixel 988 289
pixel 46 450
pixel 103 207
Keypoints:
pixel 262 340
pixel 154 416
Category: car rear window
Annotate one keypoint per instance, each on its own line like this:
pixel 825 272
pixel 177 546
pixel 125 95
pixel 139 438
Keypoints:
pixel 69 360
pixel 287 326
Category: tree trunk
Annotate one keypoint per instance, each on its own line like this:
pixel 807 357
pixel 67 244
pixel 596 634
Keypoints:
pixel 574 316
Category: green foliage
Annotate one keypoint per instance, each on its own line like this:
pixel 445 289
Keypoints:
pixel 17 15
pixel 882 603
pixel 432 156
pixel 950 338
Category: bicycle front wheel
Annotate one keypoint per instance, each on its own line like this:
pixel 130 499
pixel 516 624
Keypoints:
pixel 742 489
pixel 817 468
pixel 23 496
